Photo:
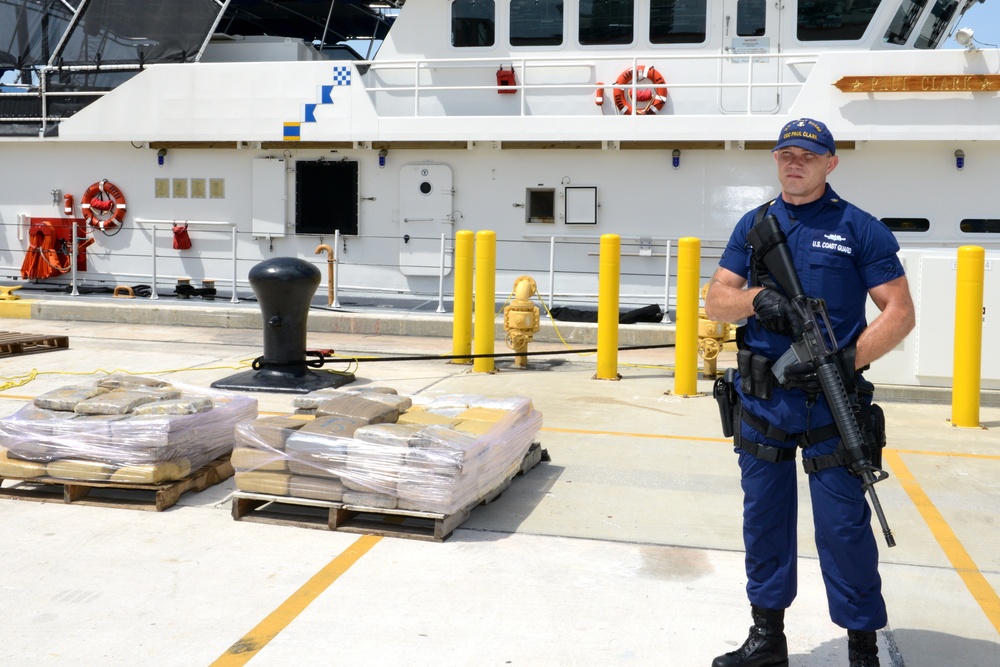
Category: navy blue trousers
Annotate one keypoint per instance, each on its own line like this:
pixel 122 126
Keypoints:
pixel 848 552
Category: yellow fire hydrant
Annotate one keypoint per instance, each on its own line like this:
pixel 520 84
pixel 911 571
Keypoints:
pixel 712 336
pixel 520 319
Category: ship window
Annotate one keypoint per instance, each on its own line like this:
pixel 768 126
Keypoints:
pixel 907 224
pixel 606 21
pixel 677 21
pixel 980 226
pixel 541 205
pixel 750 17
pixel 903 22
pixel 536 22
pixel 936 24
pixel 819 22
pixel 473 23
pixel 326 197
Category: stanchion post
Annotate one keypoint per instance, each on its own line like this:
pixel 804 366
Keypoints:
pixel 485 329
pixel 968 337
pixel 686 331
pixel 461 337
pixel 609 282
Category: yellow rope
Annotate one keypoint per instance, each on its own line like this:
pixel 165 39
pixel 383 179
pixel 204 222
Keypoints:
pixel 21 380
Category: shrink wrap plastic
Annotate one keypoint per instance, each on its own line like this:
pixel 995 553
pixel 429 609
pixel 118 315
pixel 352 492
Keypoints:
pixel 438 468
pixel 122 428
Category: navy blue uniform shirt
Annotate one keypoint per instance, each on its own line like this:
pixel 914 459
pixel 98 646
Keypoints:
pixel 840 252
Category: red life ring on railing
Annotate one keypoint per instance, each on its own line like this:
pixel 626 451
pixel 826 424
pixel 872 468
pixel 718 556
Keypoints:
pixel 103 205
pixel 656 97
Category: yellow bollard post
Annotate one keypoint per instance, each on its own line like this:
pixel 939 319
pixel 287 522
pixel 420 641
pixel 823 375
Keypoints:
pixel 968 337
pixel 485 330
pixel 686 333
pixel 608 282
pixel 461 331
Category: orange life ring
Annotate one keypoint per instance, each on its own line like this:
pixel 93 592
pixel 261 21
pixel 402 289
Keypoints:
pixel 656 97
pixel 103 205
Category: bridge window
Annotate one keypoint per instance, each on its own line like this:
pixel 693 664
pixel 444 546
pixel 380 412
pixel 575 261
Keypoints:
pixel 536 22
pixel 826 21
pixel 606 21
pixel 936 24
pixel 980 226
pixel 907 224
pixel 903 22
pixel 473 23
pixel 677 21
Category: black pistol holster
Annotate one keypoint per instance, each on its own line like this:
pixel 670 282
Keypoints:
pixel 725 394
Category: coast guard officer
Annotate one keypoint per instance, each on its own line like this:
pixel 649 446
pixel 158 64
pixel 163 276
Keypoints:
pixel 843 255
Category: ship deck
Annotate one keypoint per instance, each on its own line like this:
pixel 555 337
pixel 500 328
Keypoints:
pixel 623 548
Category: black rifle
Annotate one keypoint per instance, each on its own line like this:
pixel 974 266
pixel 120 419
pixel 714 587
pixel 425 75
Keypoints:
pixel 770 247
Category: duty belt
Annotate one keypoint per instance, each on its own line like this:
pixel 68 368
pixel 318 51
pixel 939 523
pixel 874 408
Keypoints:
pixel 801 439
pixel 772 454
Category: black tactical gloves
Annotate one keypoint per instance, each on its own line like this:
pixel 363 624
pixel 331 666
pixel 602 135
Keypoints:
pixel 774 312
pixel 802 375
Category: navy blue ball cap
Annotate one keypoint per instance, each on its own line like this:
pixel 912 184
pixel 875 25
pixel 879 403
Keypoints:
pixel 809 134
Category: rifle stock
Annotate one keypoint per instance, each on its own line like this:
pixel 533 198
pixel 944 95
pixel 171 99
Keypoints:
pixel 770 247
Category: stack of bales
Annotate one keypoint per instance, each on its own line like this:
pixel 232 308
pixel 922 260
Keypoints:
pixel 373 448
pixel 128 429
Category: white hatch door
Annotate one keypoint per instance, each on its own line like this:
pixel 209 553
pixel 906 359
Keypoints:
pixel 750 31
pixel 425 213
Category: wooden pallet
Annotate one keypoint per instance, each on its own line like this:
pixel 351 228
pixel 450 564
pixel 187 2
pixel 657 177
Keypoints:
pixel 156 497
pixel 21 343
pixel 326 515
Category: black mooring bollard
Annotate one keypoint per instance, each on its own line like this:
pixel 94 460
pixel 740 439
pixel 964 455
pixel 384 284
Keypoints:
pixel 284 287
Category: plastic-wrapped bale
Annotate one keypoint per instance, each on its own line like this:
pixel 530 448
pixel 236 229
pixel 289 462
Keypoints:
pixel 183 405
pixel 271 483
pixel 152 473
pixel 482 461
pixel 294 456
pixel 308 403
pixel 374 460
pixel 123 380
pixel 65 399
pixel 358 407
pixel 319 449
pixel 316 488
pixel 268 433
pixel 19 468
pixel 422 417
pixel 154 447
pixel 260 444
pixel 400 403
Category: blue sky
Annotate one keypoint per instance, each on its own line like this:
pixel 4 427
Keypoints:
pixel 984 19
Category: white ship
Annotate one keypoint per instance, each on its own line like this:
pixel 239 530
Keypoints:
pixel 550 122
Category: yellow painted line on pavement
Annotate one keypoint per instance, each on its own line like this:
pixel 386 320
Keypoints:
pixel 958 455
pixel 960 559
pixel 246 648
pixel 661 436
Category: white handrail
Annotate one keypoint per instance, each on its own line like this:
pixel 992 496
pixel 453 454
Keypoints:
pixel 199 223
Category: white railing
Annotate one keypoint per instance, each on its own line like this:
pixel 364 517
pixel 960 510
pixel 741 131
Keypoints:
pixel 157 224
pixel 523 66
pixel 648 260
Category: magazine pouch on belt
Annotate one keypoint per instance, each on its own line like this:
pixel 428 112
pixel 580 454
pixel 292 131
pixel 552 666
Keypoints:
pixel 756 378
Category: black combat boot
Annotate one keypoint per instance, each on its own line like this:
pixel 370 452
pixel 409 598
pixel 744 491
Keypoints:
pixel 766 645
pixel 862 648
